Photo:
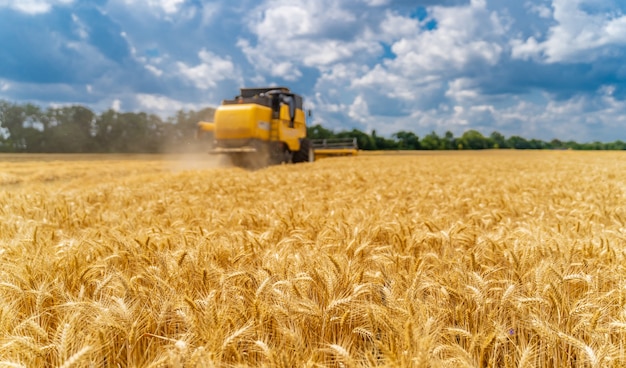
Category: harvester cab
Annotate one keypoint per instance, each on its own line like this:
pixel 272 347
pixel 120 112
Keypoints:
pixel 262 126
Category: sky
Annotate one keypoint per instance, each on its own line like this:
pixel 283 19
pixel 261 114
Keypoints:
pixel 540 69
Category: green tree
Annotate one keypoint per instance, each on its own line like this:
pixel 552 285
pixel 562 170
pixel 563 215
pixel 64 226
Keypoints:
pixel 179 133
pixel 498 140
pixel 617 145
pixel 70 129
pixel 139 133
pixel 537 144
pixel 431 141
pixel 22 131
pixel 517 142
pixel 319 132
pixel 448 141
pixel 383 143
pixel 108 131
pixel 474 140
pixel 407 140
pixel 364 141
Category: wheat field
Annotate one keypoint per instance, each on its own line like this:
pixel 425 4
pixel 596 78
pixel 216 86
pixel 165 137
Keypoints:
pixel 453 259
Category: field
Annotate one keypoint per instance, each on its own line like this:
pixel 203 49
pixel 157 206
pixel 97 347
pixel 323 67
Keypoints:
pixel 458 259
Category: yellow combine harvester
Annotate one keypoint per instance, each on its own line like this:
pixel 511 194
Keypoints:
pixel 263 126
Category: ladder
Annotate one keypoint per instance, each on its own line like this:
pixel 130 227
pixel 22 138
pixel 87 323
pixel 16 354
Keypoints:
pixel 275 130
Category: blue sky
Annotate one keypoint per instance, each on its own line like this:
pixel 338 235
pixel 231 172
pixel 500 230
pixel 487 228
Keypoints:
pixel 536 68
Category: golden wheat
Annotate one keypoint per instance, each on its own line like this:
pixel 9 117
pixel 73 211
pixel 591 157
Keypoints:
pixel 495 258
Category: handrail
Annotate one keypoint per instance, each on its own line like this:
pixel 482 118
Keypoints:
pixel 349 143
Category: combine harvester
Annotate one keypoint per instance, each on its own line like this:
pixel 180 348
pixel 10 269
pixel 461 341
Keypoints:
pixel 266 126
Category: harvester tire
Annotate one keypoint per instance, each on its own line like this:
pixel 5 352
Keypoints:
pixel 280 154
pixel 305 153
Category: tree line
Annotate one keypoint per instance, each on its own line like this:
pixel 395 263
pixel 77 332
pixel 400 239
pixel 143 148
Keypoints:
pixel 470 140
pixel 77 129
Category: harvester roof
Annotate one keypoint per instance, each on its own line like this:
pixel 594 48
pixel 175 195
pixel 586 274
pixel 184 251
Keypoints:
pixel 251 92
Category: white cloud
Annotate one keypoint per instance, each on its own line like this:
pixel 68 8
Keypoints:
pixel 211 70
pixel 286 20
pixel 459 116
pixel 435 73
pixel 579 118
pixel 525 50
pixel 116 105
pixel 396 26
pixel 377 2
pixel 462 89
pixel 154 70
pixel 541 10
pixel 296 33
pixel 483 108
pixel 209 12
pixel 578 36
pixel 33 7
pixel 359 110
pixel 326 53
pixel 162 105
pixel 466 38
pixel 463 35
pixel 80 27
pixel 266 63
pixel 167 6
pixel 333 94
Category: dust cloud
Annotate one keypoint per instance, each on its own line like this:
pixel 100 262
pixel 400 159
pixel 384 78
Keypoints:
pixel 192 153
pixel 196 161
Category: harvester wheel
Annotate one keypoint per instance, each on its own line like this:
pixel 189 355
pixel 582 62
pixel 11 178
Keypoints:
pixel 280 154
pixel 305 153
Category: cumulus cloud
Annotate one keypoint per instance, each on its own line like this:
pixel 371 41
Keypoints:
pixel 442 74
pixel 542 10
pixel 267 63
pixel 359 110
pixel 162 105
pixel 577 36
pixel 116 105
pixel 209 11
pixel 462 89
pixel 167 6
pixel 395 26
pixel 33 6
pixel 154 70
pixel 464 35
pixel 429 68
pixel 210 71
pixel 327 35
pixel 81 29
pixel 4 86
pixel 294 34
